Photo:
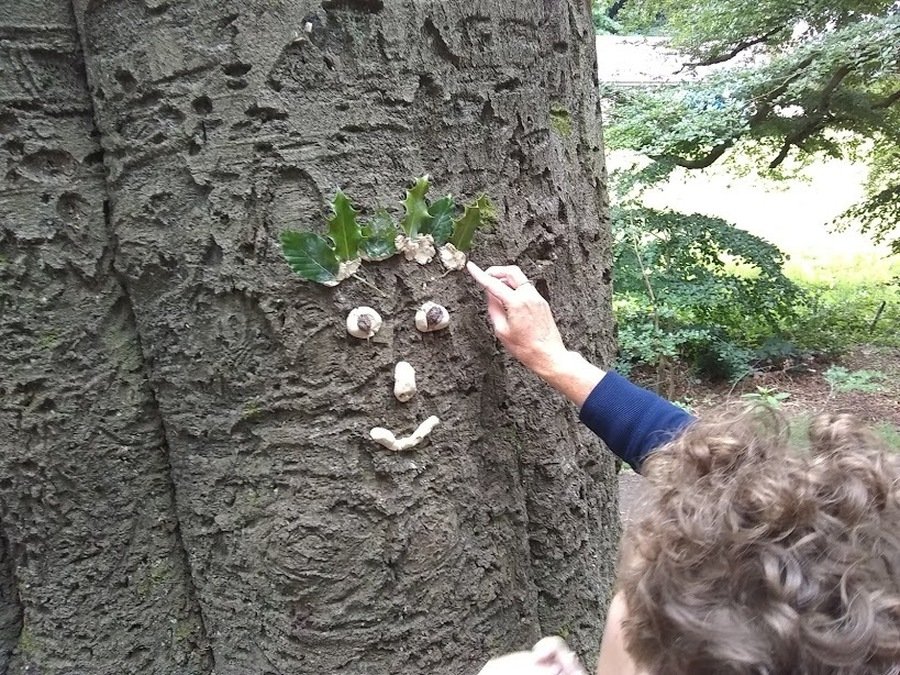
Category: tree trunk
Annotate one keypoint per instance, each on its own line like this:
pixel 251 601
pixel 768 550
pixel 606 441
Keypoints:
pixel 95 575
pixel 192 379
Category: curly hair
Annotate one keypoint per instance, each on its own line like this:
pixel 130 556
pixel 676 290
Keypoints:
pixel 749 558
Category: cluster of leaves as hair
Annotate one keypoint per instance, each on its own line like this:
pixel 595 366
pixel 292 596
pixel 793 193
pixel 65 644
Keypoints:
pixel 326 259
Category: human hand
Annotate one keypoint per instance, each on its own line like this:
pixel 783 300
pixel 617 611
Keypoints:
pixel 521 318
pixel 523 322
pixel 550 656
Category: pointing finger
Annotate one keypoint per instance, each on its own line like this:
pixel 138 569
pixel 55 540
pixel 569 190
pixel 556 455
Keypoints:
pixel 492 285
pixel 511 274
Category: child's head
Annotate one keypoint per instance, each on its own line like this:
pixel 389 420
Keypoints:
pixel 753 558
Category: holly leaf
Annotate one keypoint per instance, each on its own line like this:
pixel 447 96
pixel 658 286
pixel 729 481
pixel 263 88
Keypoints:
pixel 440 227
pixel 416 208
pixel 343 228
pixel 378 236
pixel 310 256
pixel 475 215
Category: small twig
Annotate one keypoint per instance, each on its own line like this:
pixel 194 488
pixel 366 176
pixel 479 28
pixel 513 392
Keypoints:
pixel 737 382
pixel 661 362
pixel 369 284
pixel 877 315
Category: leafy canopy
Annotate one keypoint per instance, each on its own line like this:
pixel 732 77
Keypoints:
pixel 822 78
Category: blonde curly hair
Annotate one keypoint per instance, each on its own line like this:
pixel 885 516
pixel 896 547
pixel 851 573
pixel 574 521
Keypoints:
pixel 752 558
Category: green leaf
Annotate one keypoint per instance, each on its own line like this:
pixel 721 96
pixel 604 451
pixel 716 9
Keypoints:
pixel 476 214
pixel 440 227
pixel 416 208
pixel 343 228
pixel 378 236
pixel 310 256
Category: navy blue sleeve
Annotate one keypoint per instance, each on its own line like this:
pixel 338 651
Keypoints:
pixel 630 420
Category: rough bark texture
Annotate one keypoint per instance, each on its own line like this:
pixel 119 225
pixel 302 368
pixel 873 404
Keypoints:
pixel 90 534
pixel 240 427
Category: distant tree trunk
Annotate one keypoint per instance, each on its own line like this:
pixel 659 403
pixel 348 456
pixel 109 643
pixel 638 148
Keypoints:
pixel 192 379
pixel 615 7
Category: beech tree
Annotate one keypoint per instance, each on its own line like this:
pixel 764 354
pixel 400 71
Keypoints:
pixel 187 481
pixel 800 81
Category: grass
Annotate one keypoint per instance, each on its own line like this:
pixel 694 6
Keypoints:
pixel 855 269
pixel 853 300
pixel 890 434
pixel 845 274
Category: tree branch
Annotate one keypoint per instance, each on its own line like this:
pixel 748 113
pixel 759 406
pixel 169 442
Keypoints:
pixel 837 77
pixel 791 140
pixel 737 49
pixel 706 161
pixel 766 105
pixel 769 97
pixel 887 102
pixel 814 122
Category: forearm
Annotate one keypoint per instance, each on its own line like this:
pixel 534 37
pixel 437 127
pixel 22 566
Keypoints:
pixel 631 421
pixel 570 374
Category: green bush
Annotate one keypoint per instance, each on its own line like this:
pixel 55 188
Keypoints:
pixel 696 289
pixel 603 23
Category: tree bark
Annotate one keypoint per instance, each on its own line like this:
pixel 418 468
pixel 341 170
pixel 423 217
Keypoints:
pixel 95 577
pixel 309 548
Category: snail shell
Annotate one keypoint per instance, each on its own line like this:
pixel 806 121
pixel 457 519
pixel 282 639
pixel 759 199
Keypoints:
pixel 431 317
pixel 363 322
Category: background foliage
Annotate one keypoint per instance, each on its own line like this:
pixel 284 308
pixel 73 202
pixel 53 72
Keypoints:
pixel 696 288
pixel 811 80
pixel 795 83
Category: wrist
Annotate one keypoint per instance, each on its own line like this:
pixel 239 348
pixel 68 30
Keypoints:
pixel 559 365
pixel 570 374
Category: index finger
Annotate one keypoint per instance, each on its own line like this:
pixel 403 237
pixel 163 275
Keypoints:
pixel 512 275
pixel 491 284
